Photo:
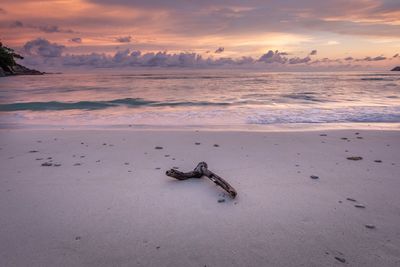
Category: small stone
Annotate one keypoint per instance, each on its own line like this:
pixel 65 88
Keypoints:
pixel 342 260
pixel 104 144
pixel 344 138
pixel 39 159
pixel 357 133
pixel 158 147
pixel 49 158
pixel 323 135
pixel 158 168
pixel 221 200
pixel 354 158
pixel 216 145
pixel 176 168
pixel 378 161
pixel 370 226
pixel 82 157
pixel 351 199
pixel 360 137
pixel 197 143
pixel 33 151
pixel 78 238
pixel 166 156
pixel 57 164
pixel 97 160
pixel 360 206
pixel 158 247
pixel 314 177
pixel 47 164
pixel 77 164
pixel 126 163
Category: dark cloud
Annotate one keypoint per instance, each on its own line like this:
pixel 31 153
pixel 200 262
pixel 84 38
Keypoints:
pixel 313 52
pixel 273 57
pixel 123 39
pixel 77 40
pixel 17 24
pixel 378 58
pixel 297 60
pixel 42 28
pixel 219 50
pixel 53 29
pixel 43 48
pixel 349 58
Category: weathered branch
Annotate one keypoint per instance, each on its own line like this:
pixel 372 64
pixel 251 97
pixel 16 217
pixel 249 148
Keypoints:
pixel 202 170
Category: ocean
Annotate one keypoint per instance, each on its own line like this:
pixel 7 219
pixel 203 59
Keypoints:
pixel 200 98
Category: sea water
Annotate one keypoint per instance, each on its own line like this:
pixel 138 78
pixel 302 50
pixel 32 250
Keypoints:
pixel 157 97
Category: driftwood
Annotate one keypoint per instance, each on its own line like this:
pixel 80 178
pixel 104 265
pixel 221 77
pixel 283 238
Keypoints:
pixel 200 171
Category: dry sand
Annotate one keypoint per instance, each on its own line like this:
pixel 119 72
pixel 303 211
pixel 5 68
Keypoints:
pixel 110 203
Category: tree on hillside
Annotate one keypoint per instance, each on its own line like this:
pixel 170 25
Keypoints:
pixel 7 58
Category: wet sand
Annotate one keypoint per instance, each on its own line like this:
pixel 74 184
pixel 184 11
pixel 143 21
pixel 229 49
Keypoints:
pixel 101 198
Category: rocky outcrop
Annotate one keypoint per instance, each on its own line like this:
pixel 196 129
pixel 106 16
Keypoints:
pixel 396 68
pixel 18 69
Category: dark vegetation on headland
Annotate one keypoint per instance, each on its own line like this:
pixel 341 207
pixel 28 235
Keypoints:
pixel 396 68
pixel 8 65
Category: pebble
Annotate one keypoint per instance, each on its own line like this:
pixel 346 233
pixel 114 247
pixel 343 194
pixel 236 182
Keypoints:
pixel 221 200
pixel 342 260
pixel 57 164
pixel 370 226
pixel 314 177
pixel 197 143
pixel 359 206
pixel 158 147
pixel 378 161
pixel 33 151
pixel 216 145
pixel 351 199
pixel 360 137
pixel 78 238
pixel 77 164
pixel 158 168
pixel 47 164
pixel 323 135
pixel 354 158
pixel 176 168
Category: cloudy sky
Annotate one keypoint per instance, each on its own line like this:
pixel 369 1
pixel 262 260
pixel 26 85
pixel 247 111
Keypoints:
pixel 278 33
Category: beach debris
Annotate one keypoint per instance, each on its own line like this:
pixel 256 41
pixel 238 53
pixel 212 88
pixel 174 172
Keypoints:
pixel 351 199
pixel 158 147
pixel 370 226
pixel 342 260
pixel 200 171
pixel 360 206
pixel 314 177
pixel 354 158
pixel 378 161
pixel 47 164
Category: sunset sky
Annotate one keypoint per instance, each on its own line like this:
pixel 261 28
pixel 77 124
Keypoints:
pixel 96 33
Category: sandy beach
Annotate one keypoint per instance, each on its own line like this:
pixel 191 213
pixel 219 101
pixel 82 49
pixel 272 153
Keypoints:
pixel 104 199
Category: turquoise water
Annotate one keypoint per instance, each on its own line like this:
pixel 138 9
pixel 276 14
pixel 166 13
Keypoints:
pixel 201 97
